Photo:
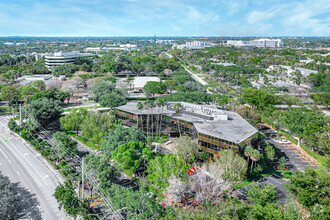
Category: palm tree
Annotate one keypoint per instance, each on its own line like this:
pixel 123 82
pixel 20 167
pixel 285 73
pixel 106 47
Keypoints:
pixel 247 152
pixel 152 104
pixel 178 108
pixel 160 103
pixel 255 156
pixel 147 104
pixel 139 106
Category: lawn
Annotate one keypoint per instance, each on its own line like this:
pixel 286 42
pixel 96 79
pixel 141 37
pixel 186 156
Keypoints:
pixel 88 144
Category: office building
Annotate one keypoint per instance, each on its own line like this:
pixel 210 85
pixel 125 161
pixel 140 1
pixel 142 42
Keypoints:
pixel 260 43
pixel 62 58
pixel 215 129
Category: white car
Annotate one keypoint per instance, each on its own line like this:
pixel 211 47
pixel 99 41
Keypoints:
pixel 284 142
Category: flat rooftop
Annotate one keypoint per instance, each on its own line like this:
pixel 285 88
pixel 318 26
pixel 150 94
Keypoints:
pixel 140 82
pixel 207 119
pixel 71 54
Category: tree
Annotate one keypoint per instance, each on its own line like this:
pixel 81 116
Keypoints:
pixel 101 88
pixel 64 145
pixel 255 156
pixel 161 168
pixel 8 92
pixel 67 200
pixel 26 91
pixel 170 85
pixel 310 188
pixel 270 152
pixel 121 135
pixel 323 139
pixel 73 120
pixel 249 114
pixel 304 123
pixel 248 153
pixel 152 88
pixel 112 100
pixel 229 166
pixel 45 110
pixel 274 211
pixel 258 98
pixel 101 169
pixel 7 199
pixel 95 127
pixel 178 108
pixel 261 194
pixel 39 84
pixel 138 204
pixel 186 148
pixel 128 155
pixel 282 162
pixel 139 106
pixel 290 100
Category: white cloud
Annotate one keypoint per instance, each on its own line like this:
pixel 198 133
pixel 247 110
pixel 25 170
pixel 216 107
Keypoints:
pixel 255 17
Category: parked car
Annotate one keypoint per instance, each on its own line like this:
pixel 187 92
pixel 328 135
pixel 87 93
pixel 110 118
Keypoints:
pixel 284 142
pixel 270 131
pixel 193 170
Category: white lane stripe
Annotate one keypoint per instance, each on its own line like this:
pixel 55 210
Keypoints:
pixel 28 162
pixel 23 163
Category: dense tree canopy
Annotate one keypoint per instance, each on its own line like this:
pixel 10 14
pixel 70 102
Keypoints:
pixel 258 98
pixel 64 145
pixel 121 135
pixel 45 110
pixel 101 88
pixel 112 100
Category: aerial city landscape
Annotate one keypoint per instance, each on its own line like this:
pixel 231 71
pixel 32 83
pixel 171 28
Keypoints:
pixel 164 110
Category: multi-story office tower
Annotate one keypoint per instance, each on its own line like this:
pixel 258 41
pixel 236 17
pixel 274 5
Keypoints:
pixel 62 58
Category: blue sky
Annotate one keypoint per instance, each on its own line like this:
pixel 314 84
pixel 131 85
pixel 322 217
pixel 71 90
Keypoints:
pixel 165 17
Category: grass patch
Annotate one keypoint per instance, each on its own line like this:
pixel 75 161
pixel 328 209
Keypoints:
pixel 82 140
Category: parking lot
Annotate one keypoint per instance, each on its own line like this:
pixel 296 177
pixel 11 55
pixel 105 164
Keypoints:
pixel 297 158
pixel 274 180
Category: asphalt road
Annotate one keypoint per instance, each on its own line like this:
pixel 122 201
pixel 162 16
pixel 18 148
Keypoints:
pixel 25 167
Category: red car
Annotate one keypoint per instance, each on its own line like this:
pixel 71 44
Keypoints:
pixel 279 168
pixel 193 170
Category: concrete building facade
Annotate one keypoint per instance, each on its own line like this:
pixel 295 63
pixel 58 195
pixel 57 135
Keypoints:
pixel 215 129
pixel 260 43
pixel 62 58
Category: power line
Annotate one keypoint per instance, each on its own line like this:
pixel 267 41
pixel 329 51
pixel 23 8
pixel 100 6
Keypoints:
pixel 92 179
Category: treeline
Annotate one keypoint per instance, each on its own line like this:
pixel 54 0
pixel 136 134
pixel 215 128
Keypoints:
pixel 310 125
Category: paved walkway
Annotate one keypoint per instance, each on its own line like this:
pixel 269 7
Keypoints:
pixel 197 78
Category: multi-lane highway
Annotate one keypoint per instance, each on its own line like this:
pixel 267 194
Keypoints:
pixel 23 165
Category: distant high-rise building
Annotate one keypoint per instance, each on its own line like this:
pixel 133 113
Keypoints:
pixel 62 58
pixel 195 45
pixel 260 43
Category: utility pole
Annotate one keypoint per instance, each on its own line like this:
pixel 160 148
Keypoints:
pixel 25 110
pixel 20 118
pixel 82 179
pixel 79 192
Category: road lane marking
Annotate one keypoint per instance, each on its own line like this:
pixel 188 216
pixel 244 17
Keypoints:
pixel 29 163
pixel 23 163
pixel 18 173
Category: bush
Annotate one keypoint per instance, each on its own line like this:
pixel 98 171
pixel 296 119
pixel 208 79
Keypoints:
pixel 13 126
